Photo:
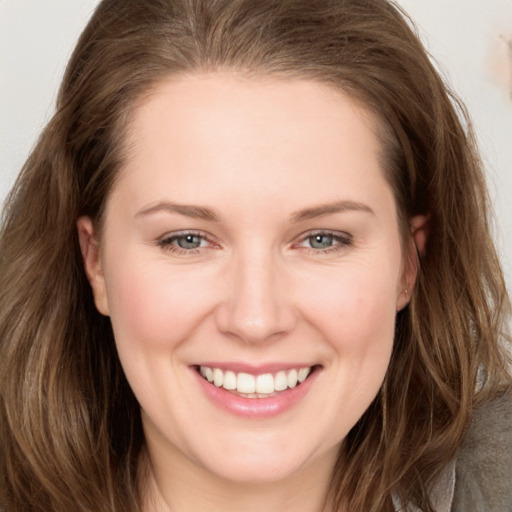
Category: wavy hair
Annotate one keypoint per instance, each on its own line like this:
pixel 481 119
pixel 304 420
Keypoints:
pixel 70 427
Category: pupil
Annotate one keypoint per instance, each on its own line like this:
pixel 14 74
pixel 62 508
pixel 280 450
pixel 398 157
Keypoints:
pixel 189 242
pixel 321 241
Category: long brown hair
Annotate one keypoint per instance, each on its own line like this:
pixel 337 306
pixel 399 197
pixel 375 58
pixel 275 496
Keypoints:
pixel 70 428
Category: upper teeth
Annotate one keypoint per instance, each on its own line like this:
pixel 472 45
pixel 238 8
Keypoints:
pixel 246 383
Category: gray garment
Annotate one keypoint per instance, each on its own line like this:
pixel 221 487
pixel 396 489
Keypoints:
pixel 441 496
pixel 480 479
pixel 483 474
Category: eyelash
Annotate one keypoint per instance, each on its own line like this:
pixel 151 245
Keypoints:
pixel 167 242
pixel 341 241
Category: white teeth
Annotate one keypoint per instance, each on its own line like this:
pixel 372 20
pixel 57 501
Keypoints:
pixel 265 383
pixel 245 383
pixel 218 377
pixel 280 381
pixel 229 380
pixel 292 378
pixel 251 386
pixel 303 373
pixel 207 373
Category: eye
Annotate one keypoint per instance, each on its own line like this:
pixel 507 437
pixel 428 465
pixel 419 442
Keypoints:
pixel 325 241
pixel 188 241
pixel 321 241
pixel 184 242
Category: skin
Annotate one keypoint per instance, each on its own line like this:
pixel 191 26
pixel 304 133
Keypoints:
pixel 257 289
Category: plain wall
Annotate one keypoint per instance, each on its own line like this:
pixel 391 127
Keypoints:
pixel 471 40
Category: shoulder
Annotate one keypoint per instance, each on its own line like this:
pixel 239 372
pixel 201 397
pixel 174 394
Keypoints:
pixel 484 462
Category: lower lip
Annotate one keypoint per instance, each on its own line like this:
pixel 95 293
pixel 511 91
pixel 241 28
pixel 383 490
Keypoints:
pixel 256 407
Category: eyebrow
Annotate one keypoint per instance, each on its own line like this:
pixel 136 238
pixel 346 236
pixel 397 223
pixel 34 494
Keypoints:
pixel 207 214
pixel 194 212
pixel 328 209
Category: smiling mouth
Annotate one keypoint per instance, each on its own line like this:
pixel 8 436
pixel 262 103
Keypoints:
pixel 247 385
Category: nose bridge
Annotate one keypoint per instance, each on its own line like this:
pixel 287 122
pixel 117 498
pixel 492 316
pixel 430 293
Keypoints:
pixel 258 307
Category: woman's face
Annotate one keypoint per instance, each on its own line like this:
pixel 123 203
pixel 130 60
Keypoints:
pixel 251 239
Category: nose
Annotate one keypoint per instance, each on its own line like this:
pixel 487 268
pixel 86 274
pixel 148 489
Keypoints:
pixel 257 305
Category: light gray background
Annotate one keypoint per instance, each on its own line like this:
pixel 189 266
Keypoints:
pixel 470 39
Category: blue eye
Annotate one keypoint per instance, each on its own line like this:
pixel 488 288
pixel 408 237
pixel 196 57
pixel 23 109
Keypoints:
pixel 188 241
pixel 183 242
pixel 325 241
pixel 321 241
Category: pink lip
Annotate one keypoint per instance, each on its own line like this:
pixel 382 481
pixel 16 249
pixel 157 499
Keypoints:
pixel 255 407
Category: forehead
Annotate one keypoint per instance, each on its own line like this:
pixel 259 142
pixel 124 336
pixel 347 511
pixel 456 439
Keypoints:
pixel 227 99
pixel 265 134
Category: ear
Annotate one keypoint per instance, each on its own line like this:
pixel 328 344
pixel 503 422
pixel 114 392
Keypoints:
pixel 414 250
pixel 419 231
pixel 90 249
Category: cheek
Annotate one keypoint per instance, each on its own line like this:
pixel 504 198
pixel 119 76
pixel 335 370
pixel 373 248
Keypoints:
pixel 356 308
pixel 154 306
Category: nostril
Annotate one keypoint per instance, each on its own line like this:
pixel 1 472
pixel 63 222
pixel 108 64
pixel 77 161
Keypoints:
pixel 256 308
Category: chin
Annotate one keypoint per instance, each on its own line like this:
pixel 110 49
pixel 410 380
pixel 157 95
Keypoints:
pixel 264 462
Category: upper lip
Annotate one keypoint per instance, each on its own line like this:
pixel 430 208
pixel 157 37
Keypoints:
pixel 239 367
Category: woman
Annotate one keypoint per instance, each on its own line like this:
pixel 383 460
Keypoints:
pixel 248 265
